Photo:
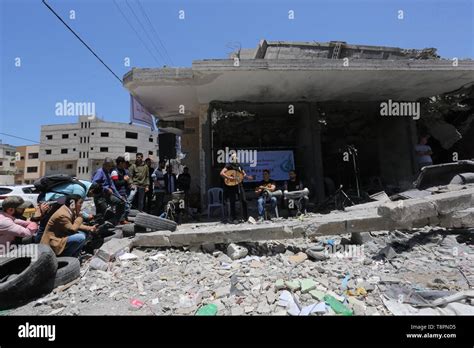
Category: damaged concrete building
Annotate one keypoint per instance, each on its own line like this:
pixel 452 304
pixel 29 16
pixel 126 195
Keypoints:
pixel 314 99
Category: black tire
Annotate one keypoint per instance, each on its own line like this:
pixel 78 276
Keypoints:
pixel 23 278
pixel 155 223
pixel 131 229
pixel 69 269
pixel 117 234
pixel 133 212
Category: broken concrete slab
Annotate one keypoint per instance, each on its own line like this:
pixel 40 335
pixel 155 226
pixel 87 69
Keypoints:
pixel 450 202
pixel 459 219
pixel 409 210
pixel 244 233
pixel 406 211
pixel 114 248
pixel 152 239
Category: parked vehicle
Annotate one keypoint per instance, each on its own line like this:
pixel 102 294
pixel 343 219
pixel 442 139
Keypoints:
pixel 27 192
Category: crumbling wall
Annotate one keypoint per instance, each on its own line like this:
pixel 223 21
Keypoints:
pixel 449 119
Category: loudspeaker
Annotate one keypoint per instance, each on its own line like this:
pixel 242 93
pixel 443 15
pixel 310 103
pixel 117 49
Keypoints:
pixel 167 146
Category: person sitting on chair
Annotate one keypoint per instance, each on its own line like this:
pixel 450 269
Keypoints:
pixel 294 183
pixel 262 190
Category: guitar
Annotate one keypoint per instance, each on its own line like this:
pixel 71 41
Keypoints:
pixel 237 177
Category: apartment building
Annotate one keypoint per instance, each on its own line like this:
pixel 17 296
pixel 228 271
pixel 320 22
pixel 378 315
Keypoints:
pixel 79 148
pixel 7 164
pixel 28 165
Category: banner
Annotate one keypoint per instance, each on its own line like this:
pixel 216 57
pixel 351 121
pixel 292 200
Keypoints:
pixel 138 114
pixel 278 162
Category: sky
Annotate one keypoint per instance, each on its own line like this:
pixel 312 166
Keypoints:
pixel 55 66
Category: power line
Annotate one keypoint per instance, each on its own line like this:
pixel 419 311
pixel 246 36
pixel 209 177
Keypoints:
pixel 90 49
pixel 146 32
pixel 29 140
pixel 154 30
pixel 136 32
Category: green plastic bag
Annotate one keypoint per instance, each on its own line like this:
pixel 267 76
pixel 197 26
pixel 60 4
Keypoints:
pixel 337 306
pixel 210 309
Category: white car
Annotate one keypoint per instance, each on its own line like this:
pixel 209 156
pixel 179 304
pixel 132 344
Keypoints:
pixel 27 192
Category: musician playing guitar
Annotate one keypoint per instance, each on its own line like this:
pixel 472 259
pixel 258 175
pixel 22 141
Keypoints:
pixel 233 175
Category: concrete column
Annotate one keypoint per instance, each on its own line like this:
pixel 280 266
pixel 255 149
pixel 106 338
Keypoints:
pixel 204 152
pixel 190 145
pixel 309 145
pixel 396 150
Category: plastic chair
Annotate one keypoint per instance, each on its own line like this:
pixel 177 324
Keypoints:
pixel 215 199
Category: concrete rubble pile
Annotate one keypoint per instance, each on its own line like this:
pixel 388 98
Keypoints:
pixel 408 257
pixel 390 273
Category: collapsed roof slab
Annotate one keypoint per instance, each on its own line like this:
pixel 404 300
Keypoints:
pixel 163 91
pixel 453 209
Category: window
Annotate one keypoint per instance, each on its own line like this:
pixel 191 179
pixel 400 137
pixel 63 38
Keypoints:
pixel 63 150
pixel 68 166
pixel 1 163
pixel 92 133
pixel 32 169
pixel 22 158
pixel 87 154
pixel 48 152
pixel 150 139
pixel 82 125
pixel 150 153
pixel 49 137
pixel 33 155
pixel 74 149
pixel 4 190
pixel 53 167
pixel 79 170
pixel 87 169
pixel 80 140
pixel 132 149
pixel 65 136
pixel 104 149
pixel 88 124
pixel 80 154
pixel 88 139
pixel 104 134
pixel 75 134
pixel 131 135
pixel 12 164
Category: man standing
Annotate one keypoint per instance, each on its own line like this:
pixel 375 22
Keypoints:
pixel 159 186
pixel 423 152
pixel 184 180
pixel 170 180
pixel 266 185
pixel 108 195
pixel 232 191
pixel 149 194
pixel 10 227
pixel 121 181
pixel 140 181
